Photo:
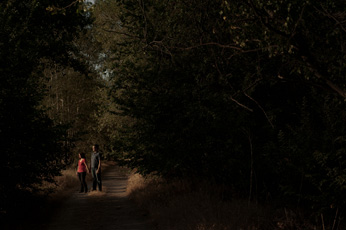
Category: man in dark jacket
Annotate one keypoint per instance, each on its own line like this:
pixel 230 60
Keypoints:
pixel 96 168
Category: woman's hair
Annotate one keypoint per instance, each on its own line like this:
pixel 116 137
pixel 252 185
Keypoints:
pixel 82 155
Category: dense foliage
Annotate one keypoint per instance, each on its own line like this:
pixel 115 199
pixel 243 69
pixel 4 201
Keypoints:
pixel 247 93
pixel 31 32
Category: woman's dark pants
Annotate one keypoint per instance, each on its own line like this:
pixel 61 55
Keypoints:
pixel 83 184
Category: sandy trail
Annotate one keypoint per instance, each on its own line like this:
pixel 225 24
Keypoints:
pixel 109 209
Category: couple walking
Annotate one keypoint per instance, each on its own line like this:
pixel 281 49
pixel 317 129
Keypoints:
pixel 95 170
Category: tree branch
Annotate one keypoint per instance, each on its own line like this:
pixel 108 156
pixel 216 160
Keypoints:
pixel 241 105
pixel 329 15
pixel 259 106
pixel 122 33
pixel 270 27
pixel 209 44
pixel 334 87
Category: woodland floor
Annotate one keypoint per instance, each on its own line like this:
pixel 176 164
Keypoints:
pixel 109 209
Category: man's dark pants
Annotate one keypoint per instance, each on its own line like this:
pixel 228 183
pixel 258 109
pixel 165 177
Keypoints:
pixel 96 179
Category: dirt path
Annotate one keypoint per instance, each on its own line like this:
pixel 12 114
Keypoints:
pixel 109 209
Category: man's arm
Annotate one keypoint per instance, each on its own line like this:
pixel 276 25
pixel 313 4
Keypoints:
pixel 99 166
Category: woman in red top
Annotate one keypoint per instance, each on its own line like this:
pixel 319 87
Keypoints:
pixel 81 172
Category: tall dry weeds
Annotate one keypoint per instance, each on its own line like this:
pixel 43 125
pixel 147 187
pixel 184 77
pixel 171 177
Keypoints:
pixel 186 205
pixel 182 205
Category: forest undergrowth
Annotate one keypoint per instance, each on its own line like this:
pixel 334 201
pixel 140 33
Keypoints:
pixel 36 209
pixel 187 205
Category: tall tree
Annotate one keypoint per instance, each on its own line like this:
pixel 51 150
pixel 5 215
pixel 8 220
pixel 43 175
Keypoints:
pixel 73 100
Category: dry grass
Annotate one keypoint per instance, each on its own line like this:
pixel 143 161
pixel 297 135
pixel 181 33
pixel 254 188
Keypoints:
pixel 182 205
pixel 68 182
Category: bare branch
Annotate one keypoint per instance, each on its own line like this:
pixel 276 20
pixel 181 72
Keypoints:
pixel 159 45
pixel 329 15
pixel 259 106
pixel 145 29
pixel 54 8
pixel 122 33
pixel 241 105
pixel 334 87
pixel 72 3
pixel 266 24
pixel 297 22
pixel 209 44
